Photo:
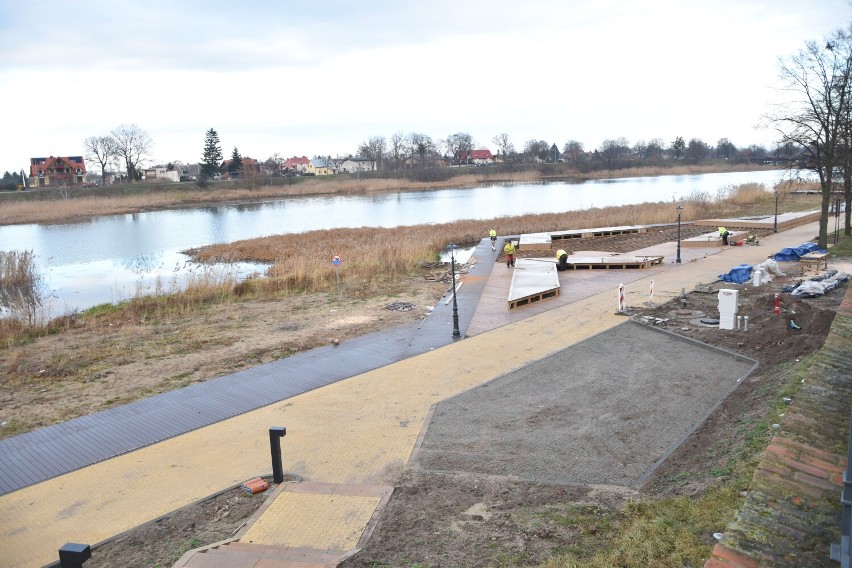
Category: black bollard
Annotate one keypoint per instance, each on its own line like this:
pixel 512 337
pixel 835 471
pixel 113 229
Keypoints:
pixel 275 435
pixel 72 555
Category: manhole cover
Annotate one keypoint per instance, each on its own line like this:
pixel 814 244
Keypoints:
pixel 710 321
pixel 683 313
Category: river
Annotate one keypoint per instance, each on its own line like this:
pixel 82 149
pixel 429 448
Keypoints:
pixel 112 258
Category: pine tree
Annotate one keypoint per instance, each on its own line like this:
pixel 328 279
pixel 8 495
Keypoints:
pixel 236 165
pixel 212 156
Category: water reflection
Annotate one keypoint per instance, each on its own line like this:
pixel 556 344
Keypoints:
pixel 107 259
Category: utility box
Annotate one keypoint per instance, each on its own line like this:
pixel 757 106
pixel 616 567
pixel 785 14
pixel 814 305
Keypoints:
pixel 729 303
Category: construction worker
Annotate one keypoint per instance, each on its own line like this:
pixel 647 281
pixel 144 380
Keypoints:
pixel 493 234
pixel 753 240
pixel 561 260
pixel 723 232
pixel 509 250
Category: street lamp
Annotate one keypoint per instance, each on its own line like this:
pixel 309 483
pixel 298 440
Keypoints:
pixel 679 210
pixel 775 225
pixel 456 332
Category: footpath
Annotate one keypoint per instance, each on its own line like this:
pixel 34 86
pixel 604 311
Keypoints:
pixel 346 438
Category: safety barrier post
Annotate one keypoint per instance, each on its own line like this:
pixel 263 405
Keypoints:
pixel 275 435
pixel 651 294
pixel 621 298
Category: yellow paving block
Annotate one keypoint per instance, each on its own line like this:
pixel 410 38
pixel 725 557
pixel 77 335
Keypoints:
pixel 325 522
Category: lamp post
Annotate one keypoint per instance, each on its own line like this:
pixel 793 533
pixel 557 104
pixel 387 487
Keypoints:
pixel 775 225
pixel 456 332
pixel 679 210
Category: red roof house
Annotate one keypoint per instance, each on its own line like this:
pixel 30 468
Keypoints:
pixel 66 170
pixel 478 157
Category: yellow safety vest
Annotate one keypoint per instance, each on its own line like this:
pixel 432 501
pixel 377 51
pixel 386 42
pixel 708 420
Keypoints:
pixel 492 233
pixel 722 230
pixel 509 248
pixel 559 253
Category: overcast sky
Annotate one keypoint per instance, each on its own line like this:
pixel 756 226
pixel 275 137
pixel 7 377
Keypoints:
pixel 319 77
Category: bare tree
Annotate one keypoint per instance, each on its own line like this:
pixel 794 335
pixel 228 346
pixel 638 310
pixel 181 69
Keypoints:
pixel 696 151
pixel 397 148
pixel 421 145
pixel 132 145
pixel 612 150
pixel 536 149
pixel 573 150
pixel 458 142
pixel 100 149
pixel 373 149
pixel 817 78
pixel 504 146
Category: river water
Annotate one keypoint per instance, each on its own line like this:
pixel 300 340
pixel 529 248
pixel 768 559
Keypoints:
pixel 112 258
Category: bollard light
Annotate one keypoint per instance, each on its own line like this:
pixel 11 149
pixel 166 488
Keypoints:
pixel 456 333
pixel 275 435
pixel 775 224
pixel 679 210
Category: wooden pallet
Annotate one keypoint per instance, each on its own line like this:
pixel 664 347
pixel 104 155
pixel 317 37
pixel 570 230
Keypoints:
pixel 613 262
pixel 532 298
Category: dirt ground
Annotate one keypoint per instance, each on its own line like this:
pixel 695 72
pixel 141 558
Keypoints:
pixel 469 519
pixel 98 364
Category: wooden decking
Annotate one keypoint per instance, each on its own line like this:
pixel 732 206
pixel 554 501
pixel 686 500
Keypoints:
pixel 549 240
pixel 618 262
pixel 533 280
pixel 712 239
pixel 785 221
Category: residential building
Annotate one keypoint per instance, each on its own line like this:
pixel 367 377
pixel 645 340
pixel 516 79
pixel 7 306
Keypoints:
pixel 355 165
pixel 53 171
pixel 297 165
pixel 474 157
pixel 155 175
pixel 321 167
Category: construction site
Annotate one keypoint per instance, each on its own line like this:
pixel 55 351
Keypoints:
pixel 566 394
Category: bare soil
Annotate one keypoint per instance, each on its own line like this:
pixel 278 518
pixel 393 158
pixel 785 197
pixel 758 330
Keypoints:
pixel 99 363
pixel 479 520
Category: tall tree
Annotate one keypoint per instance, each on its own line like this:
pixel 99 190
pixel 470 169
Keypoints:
pixel 817 81
pixel 397 148
pixel 421 145
pixel 100 149
pixel 373 149
pixel 236 165
pixel 678 146
pixel 696 151
pixel 573 150
pixel 504 146
pixel 536 149
pixel 725 149
pixel 212 154
pixel 132 145
pixel 458 142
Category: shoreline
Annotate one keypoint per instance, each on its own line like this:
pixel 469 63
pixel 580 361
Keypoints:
pixel 36 208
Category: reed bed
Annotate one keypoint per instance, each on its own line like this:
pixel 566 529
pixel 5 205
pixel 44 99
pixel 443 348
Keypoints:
pixel 373 257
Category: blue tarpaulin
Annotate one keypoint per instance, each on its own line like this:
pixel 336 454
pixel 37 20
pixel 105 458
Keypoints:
pixel 796 253
pixel 738 274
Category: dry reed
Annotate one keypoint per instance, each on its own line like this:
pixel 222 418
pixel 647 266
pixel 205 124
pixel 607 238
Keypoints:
pixel 375 256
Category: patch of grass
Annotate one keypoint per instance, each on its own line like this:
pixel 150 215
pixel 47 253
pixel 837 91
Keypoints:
pixel 842 248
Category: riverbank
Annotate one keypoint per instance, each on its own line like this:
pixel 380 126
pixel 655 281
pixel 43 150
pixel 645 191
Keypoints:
pixel 114 354
pixel 53 206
